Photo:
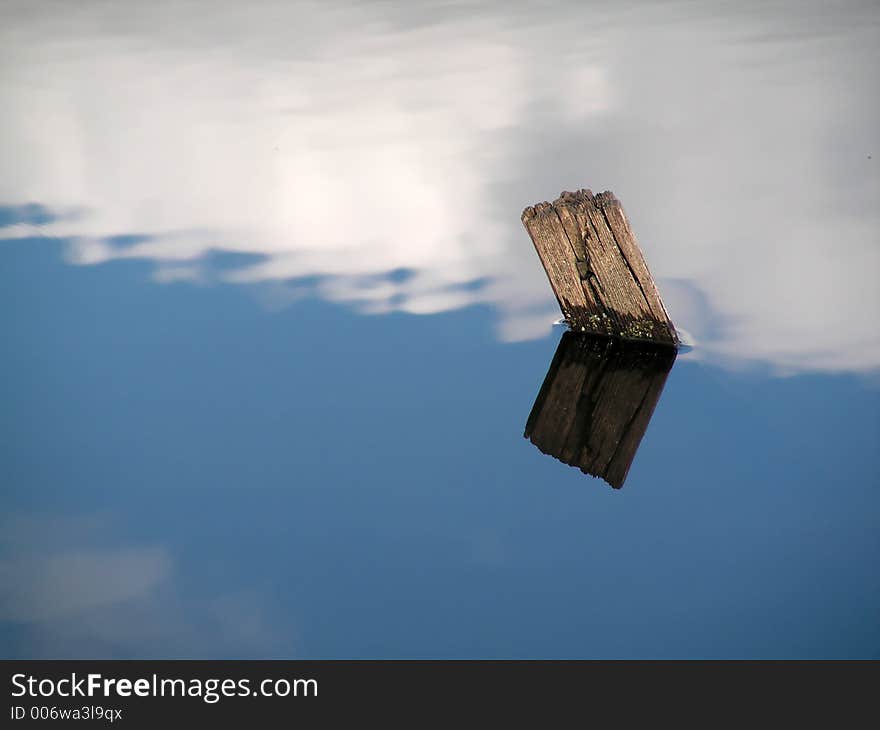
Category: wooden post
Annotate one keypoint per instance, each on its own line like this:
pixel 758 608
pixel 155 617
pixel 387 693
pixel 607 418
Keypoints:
pixel 596 403
pixel 596 268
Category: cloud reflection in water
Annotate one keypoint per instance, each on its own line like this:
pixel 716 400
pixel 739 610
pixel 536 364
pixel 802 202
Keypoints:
pixel 335 143
pixel 75 591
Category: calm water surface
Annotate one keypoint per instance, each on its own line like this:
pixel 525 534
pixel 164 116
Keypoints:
pixel 272 329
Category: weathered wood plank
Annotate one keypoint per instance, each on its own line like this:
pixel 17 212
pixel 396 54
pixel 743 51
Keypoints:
pixel 573 233
pixel 596 268
pixel 596 402
pixel 558 259
pixel 623 301
pixel 626 241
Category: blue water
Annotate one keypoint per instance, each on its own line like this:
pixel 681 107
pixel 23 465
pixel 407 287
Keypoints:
pixel 288 466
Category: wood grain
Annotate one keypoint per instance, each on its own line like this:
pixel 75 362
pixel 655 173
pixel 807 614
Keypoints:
pixel 596 268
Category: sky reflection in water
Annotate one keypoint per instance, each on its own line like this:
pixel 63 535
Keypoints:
pixel 255 469
pixel 335 143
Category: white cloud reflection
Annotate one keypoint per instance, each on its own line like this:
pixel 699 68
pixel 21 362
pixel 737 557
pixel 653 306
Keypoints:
pixel 44 587
pixel 72 590
pixel 344 141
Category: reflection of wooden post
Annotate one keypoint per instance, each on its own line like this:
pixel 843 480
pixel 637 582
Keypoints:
pixel 596 268
pixel 596 403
